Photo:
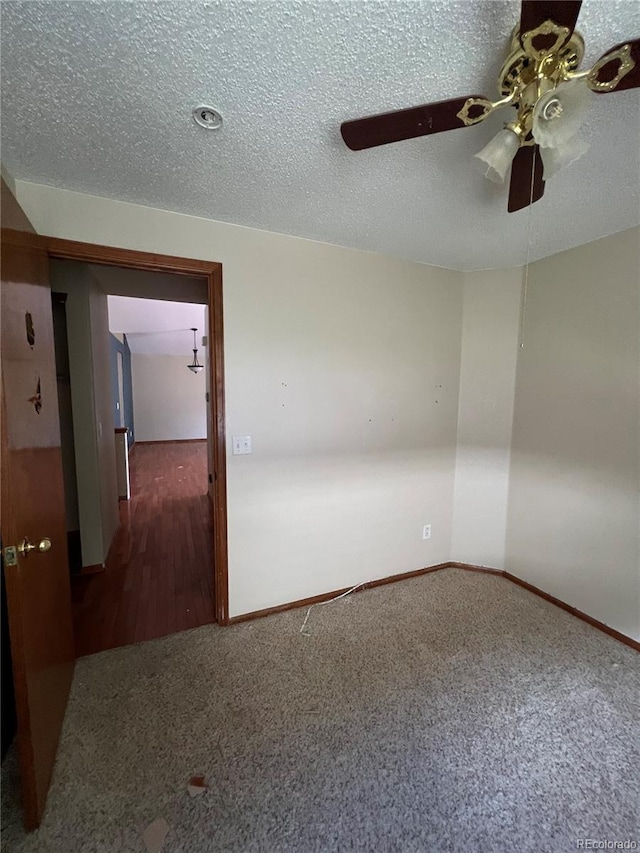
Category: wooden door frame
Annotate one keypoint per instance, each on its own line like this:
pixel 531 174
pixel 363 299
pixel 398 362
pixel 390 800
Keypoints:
pixel 91 253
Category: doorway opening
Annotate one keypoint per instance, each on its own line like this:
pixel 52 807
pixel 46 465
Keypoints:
pixel 155 560
pixel 67 439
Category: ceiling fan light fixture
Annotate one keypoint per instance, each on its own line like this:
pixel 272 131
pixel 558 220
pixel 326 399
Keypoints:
pixel 495 158
pixel 559 114
pixel 554 159
pixel 540 78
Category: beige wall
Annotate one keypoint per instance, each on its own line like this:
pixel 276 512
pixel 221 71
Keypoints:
pixel 93 428
pixel 573 503
pixel 485 413
pixel 168 400
pixel 343 366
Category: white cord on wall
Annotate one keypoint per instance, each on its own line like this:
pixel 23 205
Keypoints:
pixel 307 633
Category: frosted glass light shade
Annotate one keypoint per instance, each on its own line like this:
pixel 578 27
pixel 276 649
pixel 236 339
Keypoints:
pixel 495 158
pixel 558 115
pixel 554 159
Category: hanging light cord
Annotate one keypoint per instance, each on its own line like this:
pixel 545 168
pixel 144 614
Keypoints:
pixel 525 288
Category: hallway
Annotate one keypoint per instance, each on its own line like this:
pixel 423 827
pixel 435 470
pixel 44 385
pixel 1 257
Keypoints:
pixel 159 573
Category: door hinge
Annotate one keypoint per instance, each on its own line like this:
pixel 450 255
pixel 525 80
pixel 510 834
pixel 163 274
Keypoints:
pixel 210 478
pixel 11 555
pixel 207 396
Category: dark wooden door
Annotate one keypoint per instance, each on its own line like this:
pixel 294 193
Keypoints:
pixel 37 581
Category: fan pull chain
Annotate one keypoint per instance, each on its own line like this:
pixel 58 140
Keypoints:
pixel 525 287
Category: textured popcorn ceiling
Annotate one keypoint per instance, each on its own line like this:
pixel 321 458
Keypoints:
pixel 97 98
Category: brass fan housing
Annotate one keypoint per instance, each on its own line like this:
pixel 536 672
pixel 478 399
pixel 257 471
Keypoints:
pixel 527 74
pixel 519 69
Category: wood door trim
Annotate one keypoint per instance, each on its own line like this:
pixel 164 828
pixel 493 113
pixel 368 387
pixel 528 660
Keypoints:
pixel 93 253
pixel 23 239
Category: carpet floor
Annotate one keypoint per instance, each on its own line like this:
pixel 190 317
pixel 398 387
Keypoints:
pixel 452 712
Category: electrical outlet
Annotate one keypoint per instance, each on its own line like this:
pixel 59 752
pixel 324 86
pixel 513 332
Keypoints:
pixel 241 444
pixel 426 531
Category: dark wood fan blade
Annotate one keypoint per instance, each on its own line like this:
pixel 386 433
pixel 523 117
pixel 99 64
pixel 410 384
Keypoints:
pixel 527 165
pixel 533 13
pixel 617 69
pixel 408 124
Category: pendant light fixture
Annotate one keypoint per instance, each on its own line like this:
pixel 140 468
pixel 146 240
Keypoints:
pixel 195 367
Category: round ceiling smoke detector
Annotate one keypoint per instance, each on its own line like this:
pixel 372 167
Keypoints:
pixel 207 117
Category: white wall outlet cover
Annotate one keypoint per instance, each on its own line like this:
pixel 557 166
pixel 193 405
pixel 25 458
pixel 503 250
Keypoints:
pixel 426 531
pixel 241 445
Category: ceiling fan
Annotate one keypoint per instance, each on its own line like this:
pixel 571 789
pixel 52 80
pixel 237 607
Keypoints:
pixel 540 78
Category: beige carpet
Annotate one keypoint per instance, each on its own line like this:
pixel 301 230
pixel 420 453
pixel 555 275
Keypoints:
pixel 452 712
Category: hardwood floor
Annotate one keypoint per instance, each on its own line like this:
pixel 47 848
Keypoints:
pixel 159 573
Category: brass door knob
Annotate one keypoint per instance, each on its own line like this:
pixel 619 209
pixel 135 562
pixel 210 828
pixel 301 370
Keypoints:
pixel 25 547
